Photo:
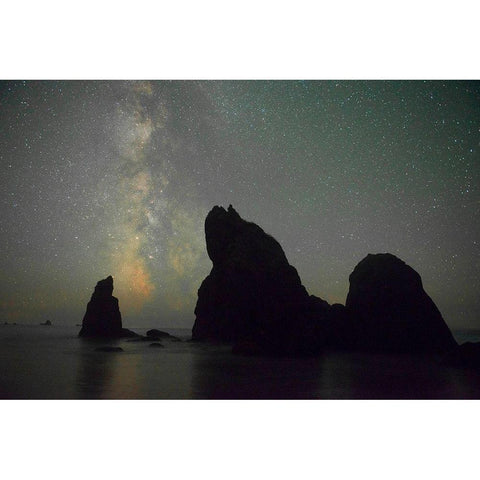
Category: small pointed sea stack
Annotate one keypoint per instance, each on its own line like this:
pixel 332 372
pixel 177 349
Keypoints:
pixel 103 317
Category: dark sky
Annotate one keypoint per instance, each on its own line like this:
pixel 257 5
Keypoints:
pixel 116 177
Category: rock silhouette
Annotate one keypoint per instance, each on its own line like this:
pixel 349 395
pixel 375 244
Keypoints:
pixel 390 311
pixel 47 322
pixel 253 297
pixel 154 335
pixel 157 334
pixel 103 318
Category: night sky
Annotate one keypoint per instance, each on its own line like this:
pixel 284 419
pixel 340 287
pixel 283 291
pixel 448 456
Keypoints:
pixel 116 177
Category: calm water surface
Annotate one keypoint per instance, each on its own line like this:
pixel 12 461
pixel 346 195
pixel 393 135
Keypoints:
pixel 40 362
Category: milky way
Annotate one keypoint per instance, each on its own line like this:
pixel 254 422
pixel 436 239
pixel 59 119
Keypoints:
pixel 103 178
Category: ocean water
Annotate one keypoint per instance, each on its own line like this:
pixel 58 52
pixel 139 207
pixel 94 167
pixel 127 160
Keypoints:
pixel 51 362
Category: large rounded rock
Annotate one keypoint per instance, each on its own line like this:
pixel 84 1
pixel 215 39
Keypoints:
pixel 391 311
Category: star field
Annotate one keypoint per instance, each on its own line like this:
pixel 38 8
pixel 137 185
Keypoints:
pixel 110 177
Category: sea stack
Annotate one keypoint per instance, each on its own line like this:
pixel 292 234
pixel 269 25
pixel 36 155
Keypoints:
pixel 103 317
pixel 390 311
pixel 253 298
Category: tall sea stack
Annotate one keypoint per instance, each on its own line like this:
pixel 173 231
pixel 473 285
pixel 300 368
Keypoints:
pixel 253 297
pixel 103 317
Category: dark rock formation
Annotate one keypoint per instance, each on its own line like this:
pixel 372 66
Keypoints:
pixel 156 344
pixel 103 318
pixel 390 311
pixel 154 333
pixel 253 297
pixel 47 322
pixel 109 349
pixel 466 355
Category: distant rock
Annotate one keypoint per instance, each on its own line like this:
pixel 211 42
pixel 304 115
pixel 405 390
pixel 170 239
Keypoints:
pixel 154 335
pixel 103 318
pixel 157 345
pixel 253 297
pixel 47 322
pixel 157 333
pixel 388 310
pixel 109 349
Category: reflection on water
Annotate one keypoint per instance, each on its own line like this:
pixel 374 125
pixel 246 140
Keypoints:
pixel 140 371
pixel 217 374
pixel 379 376
pixel 52 362
pixel 96 370
pixel 333 375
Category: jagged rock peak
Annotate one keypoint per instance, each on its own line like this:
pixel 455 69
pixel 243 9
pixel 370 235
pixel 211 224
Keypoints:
pixel 227 234
pixel 104 288
pixel 252 291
